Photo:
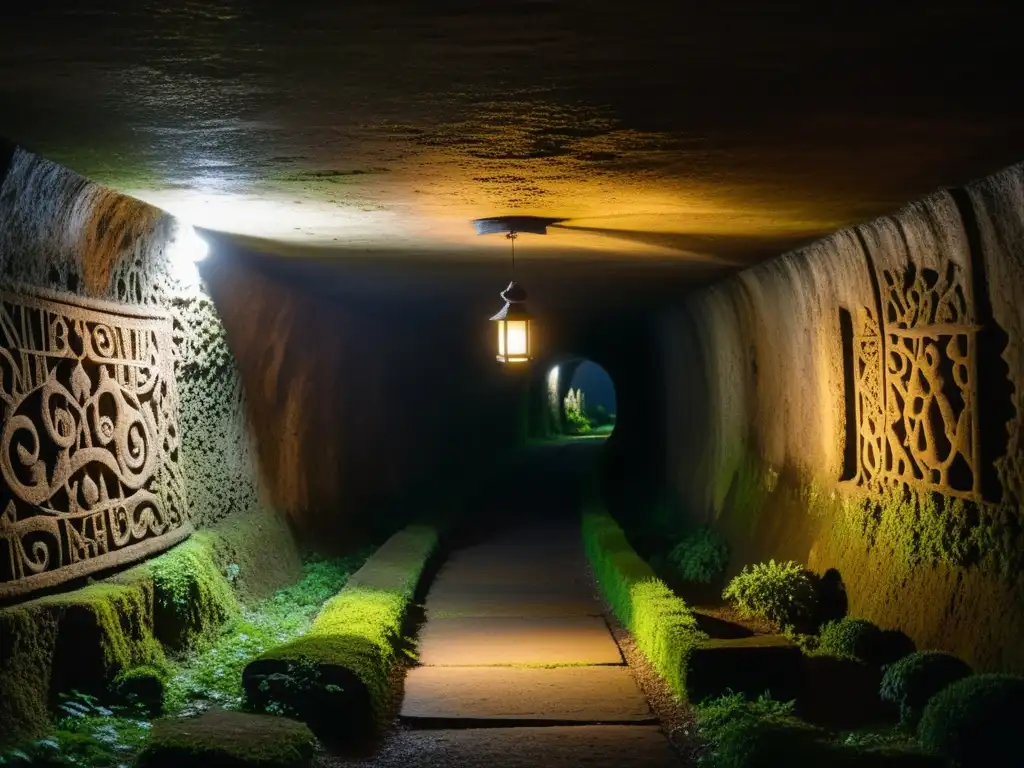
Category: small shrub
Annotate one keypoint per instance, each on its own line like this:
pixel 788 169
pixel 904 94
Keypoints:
pixel 576 412
pixel 856 639
pixel 975 722
pixel 781 593
pixel 700 557
pixel 912 681
pixel 749 734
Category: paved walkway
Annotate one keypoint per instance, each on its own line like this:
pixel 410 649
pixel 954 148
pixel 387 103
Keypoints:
pixel 518 667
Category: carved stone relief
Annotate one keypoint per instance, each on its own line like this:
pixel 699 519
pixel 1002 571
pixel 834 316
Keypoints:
pixel 915 385
pixel 89 445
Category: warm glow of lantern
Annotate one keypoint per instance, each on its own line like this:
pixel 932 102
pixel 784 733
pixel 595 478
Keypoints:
pixel 513 341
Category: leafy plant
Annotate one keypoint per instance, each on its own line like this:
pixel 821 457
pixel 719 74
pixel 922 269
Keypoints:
pixel 739 733
pixel 856 639
pixel 701 556
pixel 576 412
pixel 781 593
pixel 975 721
pixel 86 733
pixel 912 681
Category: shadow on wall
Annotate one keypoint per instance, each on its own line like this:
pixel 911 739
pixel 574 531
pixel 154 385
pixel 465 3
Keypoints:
pixel 365 403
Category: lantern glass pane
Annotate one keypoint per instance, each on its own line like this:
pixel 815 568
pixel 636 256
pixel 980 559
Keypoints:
pixel 501 338
pixel 518 338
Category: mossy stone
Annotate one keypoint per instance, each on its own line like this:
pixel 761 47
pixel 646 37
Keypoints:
pixel 77 640
pixel 223 739
pixel 662 624
pixel 338 673
pixel 192 597
pixel 143 686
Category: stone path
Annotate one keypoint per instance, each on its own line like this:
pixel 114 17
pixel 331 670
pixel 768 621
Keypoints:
pixel 518 667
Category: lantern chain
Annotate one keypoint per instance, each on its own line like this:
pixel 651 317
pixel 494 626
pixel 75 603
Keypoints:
pixel 512 236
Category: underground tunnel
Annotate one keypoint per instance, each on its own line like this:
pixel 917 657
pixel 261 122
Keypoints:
pixel 522 384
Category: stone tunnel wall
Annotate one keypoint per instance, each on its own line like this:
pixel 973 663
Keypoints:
pixel 83 265
pixel 858 405
pixel 371 404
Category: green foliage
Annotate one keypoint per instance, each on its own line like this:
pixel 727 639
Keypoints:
pixel 856 639
pixel 781 593
pixel 602 417
pixel 975 722
pixel 912 681
pixel 576 417
pixel 739 733
pixel 84 734
pixel 662 624
pixel 344 660
pixel 215 673
pixel 701 556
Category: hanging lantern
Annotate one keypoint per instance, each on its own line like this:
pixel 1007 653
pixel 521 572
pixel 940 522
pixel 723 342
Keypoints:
pixel 513 320
pixel 513 327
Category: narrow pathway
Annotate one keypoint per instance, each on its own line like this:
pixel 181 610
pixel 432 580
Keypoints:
pixel 518 667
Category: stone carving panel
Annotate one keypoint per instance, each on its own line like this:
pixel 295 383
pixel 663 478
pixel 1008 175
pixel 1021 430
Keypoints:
pixel 915 385
pixel 89 445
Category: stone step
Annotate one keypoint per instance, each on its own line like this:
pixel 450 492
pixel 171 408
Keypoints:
pixel 505 641
pixel 439 696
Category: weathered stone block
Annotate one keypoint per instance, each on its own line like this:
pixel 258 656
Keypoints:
pixel 749 665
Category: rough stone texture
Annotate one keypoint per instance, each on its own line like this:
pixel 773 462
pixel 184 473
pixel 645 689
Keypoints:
pixel 62 233
pixel 595 746
pixel 507 641
pixel 526 575
pixel 584 694
pixel 788 430
pixel 89 453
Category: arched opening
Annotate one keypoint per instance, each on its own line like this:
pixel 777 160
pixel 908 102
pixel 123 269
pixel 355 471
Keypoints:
pixel 579 401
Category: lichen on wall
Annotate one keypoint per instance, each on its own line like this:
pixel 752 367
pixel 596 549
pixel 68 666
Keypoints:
pixel 856 405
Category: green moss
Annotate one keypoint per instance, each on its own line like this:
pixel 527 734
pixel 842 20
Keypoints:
pixel 743 486
pixel 919 527
pixel 215 673
pixel 228 739
pixel 662 624
pixel 338 672
pixel 78 640
pixel 192 597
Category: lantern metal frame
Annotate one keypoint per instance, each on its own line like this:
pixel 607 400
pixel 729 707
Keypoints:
pixel 513 313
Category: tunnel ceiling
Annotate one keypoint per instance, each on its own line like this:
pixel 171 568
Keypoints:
pixel 671 130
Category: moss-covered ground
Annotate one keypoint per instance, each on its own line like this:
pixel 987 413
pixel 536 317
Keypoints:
pixel 118 675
